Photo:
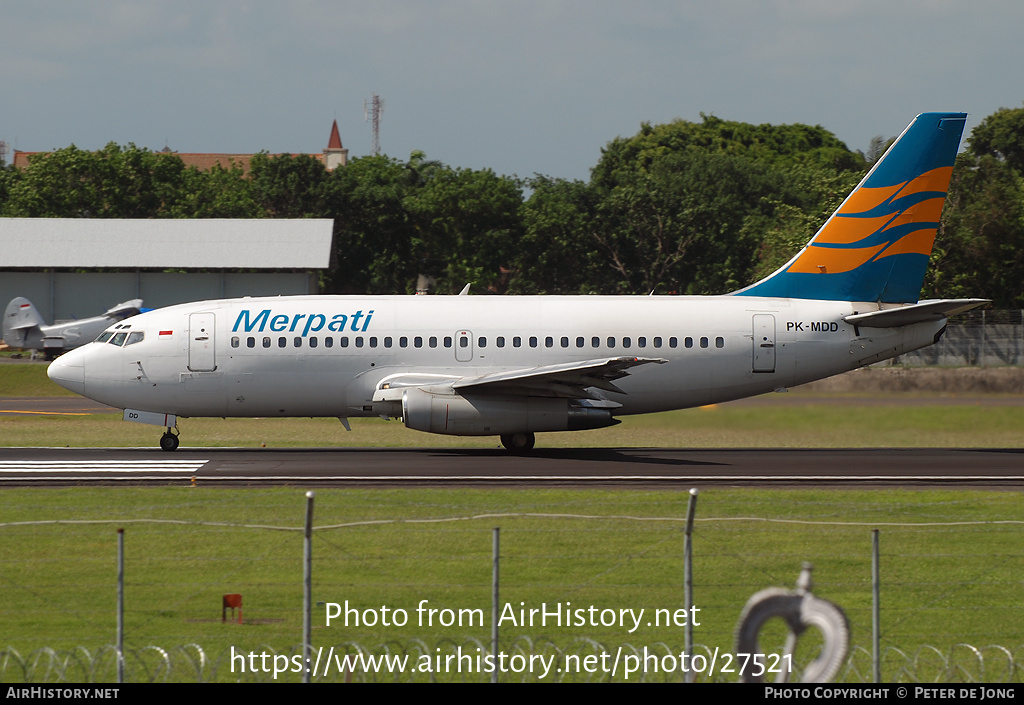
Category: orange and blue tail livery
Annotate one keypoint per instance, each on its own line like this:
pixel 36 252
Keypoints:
pixel 876 246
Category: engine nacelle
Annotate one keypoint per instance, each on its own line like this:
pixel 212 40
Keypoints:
pixel 479 415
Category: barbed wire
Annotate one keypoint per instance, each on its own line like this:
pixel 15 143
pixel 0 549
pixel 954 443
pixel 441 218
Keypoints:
pixel 190 662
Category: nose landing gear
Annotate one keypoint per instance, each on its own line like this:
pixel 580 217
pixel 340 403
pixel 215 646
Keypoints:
pixel 169 441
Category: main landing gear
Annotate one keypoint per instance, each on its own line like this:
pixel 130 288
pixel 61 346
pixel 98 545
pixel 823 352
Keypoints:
pixel 518 442
pixel 169 441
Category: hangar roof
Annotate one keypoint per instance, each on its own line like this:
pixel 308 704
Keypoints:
pixel 165 243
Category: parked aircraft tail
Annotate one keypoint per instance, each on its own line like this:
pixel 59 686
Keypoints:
pixel 20 317
pixel 876 246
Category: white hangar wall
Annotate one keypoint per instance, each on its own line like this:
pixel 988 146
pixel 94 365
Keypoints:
pixel 63 265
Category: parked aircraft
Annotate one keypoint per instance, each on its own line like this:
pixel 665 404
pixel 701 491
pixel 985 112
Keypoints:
pixel 513 366
pixel 25 329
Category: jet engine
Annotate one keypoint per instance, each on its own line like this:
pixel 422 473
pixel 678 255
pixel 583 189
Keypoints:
pixel 483 415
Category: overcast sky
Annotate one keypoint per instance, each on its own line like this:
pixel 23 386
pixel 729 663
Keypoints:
pixel 518 86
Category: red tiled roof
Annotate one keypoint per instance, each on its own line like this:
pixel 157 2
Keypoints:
pixel 200 160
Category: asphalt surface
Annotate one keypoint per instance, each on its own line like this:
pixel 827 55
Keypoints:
pixel 601 468
pixel 615 467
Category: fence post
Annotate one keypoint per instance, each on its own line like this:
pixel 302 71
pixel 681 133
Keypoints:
pixel 307 596
pixel 691 510
pixel 120 605
pixel 494 608
pixel 876 654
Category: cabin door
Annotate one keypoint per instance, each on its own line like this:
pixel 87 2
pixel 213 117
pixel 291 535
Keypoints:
pixel 764 342
pixel 201 342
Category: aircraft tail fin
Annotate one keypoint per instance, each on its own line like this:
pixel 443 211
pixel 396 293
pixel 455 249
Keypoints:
pixel 20 317
pixel 876 246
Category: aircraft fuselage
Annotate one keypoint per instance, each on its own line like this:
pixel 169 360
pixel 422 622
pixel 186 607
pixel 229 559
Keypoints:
pixel 330 355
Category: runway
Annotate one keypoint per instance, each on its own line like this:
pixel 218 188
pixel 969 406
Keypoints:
pixel 598 468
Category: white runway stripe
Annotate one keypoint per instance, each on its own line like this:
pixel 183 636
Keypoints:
pixel 130 466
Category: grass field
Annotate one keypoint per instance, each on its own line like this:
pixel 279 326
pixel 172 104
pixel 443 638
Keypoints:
pixel 799 419
pixel 943 584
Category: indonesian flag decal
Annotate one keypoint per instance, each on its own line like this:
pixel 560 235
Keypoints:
pixel 166 333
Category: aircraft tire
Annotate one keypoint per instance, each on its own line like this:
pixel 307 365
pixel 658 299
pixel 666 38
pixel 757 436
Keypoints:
pixel 168 441
pixel 518 442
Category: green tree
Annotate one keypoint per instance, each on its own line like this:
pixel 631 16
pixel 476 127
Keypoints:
pixel 216 193
pixel 115 182
pixel 556 254
pixel 373 233
pixel 979 248
pixel 469 222
pixel 1001 135
pixel 286 186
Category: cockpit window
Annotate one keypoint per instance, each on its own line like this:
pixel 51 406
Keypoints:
pixel 104 336
pixel 118 338
pixel 135 337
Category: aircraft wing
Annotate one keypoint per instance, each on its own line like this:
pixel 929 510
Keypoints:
pixel 568 379
pixel 915 313
pixel 572 380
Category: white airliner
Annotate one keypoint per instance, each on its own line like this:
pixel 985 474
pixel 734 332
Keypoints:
pixel 512 366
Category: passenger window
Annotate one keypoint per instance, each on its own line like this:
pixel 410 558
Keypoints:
pixel 313 342
pixel 626 342
pixel 688 342
pixel 565 341
pixel 343 341
pixel 549 341
pixel 533 341
pixel 447 341
pixel 359 341
pixel 719 342
pixel 641 342
pixel 250 342
pixel 463 341
pixel 373 341
pixel 611 342
pixel 387 341
pixel 418 341
pixel 579 341
pixel 481 342
pixel 500 341
pixel 595 342
pixel 673 342
pixel 234 341
pixel 703 342
pixel 403 342
pixel 433 341
pixel 282 342
pixel 266 342
pixel 135 337
pixel 517 342
pixel 298 341
pixel 328 342
pixel 657 341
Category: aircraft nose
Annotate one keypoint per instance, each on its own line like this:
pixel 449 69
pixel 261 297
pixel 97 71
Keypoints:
pixel 68 371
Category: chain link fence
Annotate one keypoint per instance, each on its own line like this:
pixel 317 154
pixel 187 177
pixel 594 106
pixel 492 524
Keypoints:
pixel 950 590
pixel 975 339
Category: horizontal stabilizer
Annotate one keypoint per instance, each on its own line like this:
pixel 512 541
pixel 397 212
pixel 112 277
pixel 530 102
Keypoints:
pixel 914 313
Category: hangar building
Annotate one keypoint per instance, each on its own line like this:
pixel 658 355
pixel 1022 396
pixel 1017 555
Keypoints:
pixel 76 268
